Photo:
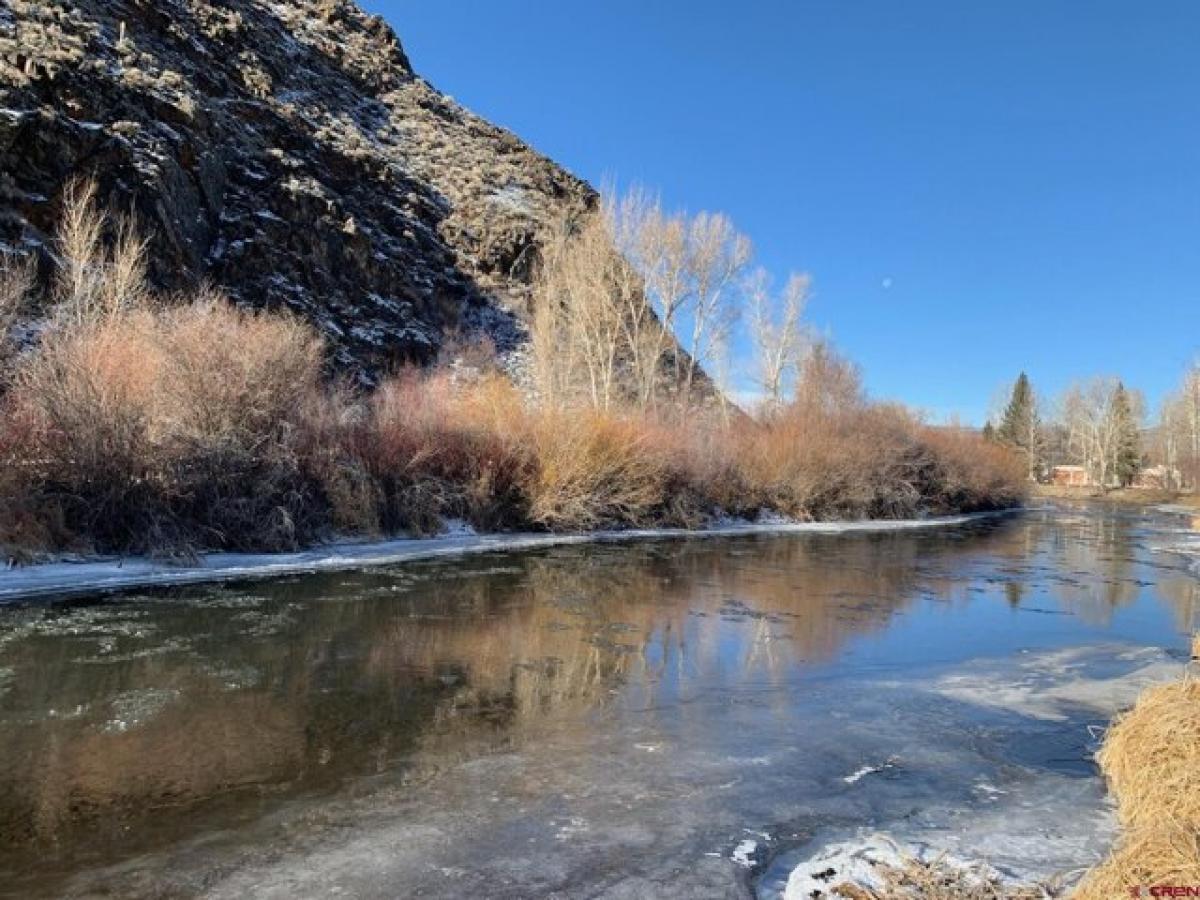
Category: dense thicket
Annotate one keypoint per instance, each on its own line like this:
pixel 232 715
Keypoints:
pixel 138 423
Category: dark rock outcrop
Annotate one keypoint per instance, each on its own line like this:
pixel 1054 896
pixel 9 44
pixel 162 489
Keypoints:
pixel 285 150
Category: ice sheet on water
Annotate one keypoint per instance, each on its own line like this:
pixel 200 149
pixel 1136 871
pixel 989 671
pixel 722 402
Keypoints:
pixel 1018 794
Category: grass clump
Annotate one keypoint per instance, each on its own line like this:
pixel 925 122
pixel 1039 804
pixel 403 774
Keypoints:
pixel 1144 858
pixel 1151 758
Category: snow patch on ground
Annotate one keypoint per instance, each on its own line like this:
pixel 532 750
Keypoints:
pixel 97 575
pixel 457 528
pixel 867 770
pixel 744 853
pixel 857 862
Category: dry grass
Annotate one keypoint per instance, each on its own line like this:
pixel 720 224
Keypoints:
pixel 871 462
pixel 1151 756
pixel 594 471
pixel 1160 854
pixel 437 450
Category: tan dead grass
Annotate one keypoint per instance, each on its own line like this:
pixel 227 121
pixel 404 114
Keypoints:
pixel 593 471
pixel 1161 854
pixel 1151 756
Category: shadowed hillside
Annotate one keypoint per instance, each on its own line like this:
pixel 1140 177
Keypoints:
pixel 288 152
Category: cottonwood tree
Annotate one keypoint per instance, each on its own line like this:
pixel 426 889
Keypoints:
pixel 580 327
pixel 655 245
pixel 1020 425
pixel 1179 427
pixel 777 330
pixel 1101 419
pixel 717 259
pixel 636 291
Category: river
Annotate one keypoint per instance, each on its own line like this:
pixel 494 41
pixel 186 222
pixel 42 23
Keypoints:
pixel 666 718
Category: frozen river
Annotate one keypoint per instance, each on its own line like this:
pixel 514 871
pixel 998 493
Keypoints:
pixel 672 718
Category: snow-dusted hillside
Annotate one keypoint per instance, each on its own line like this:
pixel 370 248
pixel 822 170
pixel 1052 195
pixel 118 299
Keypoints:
pixel 286 151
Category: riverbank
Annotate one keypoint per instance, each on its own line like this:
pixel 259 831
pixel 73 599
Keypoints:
pixel 144 424
pixel 93 575
pixel 1123 496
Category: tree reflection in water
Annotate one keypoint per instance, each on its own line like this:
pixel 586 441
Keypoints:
pixel 134 722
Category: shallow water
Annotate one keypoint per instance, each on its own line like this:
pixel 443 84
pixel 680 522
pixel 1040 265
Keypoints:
pixel 669 718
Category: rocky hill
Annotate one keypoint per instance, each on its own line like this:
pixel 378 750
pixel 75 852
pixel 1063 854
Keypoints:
pixel 285 151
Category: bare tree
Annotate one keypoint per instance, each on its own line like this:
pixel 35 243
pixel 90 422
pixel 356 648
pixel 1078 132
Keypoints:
pixel 618 289
pixel 586 293
pixel 17 280
pixel 1170 441
pixel 1179 429
pixel 777 330
pixel 638 233
pixel 94 283
pixel 657 244
pixel 827 381
pixel 718 256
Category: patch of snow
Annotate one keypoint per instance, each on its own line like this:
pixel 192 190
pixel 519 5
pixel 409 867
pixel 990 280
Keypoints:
pixel 858 775
pixel 458 528
pixel 855 862
pixel 744 853
pixel 858 862
pixel 513 198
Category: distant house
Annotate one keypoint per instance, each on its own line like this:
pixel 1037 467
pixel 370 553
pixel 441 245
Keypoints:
pixel 1070 476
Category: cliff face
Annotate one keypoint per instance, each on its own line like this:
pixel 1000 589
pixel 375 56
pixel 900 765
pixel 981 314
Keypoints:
pixel 285 151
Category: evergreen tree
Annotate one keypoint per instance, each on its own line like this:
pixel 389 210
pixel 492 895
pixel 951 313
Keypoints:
pixel 989 432
pixel 1019 426
pixel 1128 450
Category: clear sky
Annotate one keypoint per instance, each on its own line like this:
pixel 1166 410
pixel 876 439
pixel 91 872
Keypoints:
pixel 975 187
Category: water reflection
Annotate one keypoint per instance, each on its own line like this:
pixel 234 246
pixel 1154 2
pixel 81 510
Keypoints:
pixel 128 724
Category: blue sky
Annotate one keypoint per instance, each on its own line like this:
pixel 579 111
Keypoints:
pixel 1024 176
